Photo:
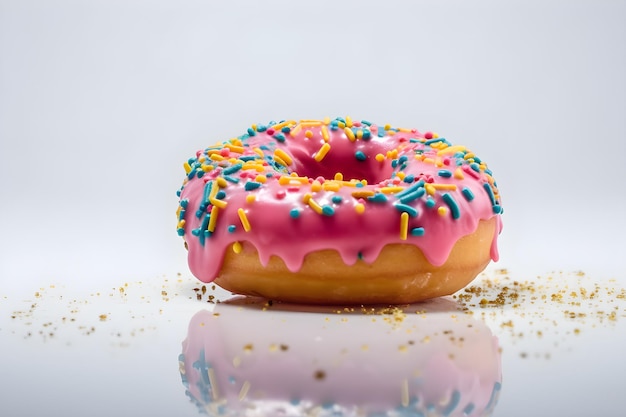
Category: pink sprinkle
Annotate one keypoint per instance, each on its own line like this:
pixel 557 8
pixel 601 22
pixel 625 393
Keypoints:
pixel 293 189
pixel 320 179
pixel 270 131
pixel 280 194
pixel 428 135
pixel 446 160
pixel 356 124
pixel 225 152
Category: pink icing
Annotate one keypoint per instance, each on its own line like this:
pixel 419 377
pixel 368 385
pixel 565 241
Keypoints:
pixel 273 231
pixel 436 363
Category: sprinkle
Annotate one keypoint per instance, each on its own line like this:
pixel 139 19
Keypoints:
pixel 417 231
pixel 187 167
pixel 487 188
pixel 328 210
pixel 251 131
pixel 469 171
pixel 497 209
pixel 237 247
pixel 250 198
pixel 234 148
pixel 451 150
pixel 404 225
pixel 348 121
pixel 391 190
pixel 308 134
pixel 409 178
pixel 430 189
pixel 336 199
pixel 231 179
pixel 279 137
pixel 306 198
pixel 405 208
pixel 288 180
pixel 213 219
pixel 294 213
pixel 442 211
pixel 322 152
pixel 295 130
pixel 363 193
pixel 231 228
pixel 444 173
pixel 380 157
pixel 451 202
pixel 325 134
pixel 244 219
pixel 467 193
pixel 449 187
pixel 261 178
pixel 360 156
pixel 349 133
pixel 216 157
pixel 458 174
pixel 338 176
pixel 475 166
pixel 407 198
pixel 316 186
pixel 252 185
pixel 430 203
pixel 359 208
pixel 377 198
pixel 279 153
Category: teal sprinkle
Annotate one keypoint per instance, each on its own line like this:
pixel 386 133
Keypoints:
pixel 497 209
pixel 279 137
pixel 251 132
pixel 294 213
pixel 413 140
pixel 195 232
pixel 475 166
pixel 360 156
pixel 264 147
pixel 367 135
pixel 359 255
pixel 252 185
pixel 467 193
pixel 232 228
pixel 359 185
pixel 341 119
pixel 378 198
pixel 231 179
pixel 406 209
pixel 488 171
pixel 409 178
pixel 220 194
pixel 200 173
pixel 489 191
pixel 184 203
pixel 468 409
pixel 452 404
pixel 394 163
pixel 366 123
pixel 181 215
pixel 334 126
pixel 180 231
pixel 417 231
pixel 261 128
pixel 381 133
pixel 328 210
pixel 451 202
pixel 205 222
pixel 403 159
pixel 178 193
pixel 232 169
pixel 207 190
pixel 430 203
pixel 247 158
pixel 407 198
pixel 477 159
pixel 336 199
pixel 285 129
pixel 411 189
pixel 444 173
pixel 434 140
pixel 199 213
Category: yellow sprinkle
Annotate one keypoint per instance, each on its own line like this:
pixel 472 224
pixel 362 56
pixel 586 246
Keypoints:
pixel 359 208
pixel 325 134
pixel 458 174
pixel 380 157
pixel 439 162
pixel 316 186
pixel 401 175
pixel 364 181
pixel 213 219
pixel 287 180
pixel 349 133
pixel 236 142
pixel 405 130
pixel 233 148
pixel 430 189
pixel 429 160
pixel 221 182
pixel 348 121
pixel 469 155
pixel 391 132
pixel 244 219
pixel 442 211
pixel 326 120
pixel 322 152
pixel 279 126
pixel 312 123
pixel 295 130
pixel 280 160
pixel 250 198
pixel 387 126
pixel 331 186
pixel 392 154
pixel 187 167
pixel 237 247
pixel 261 178
pixel 215 188
pixel 341 125
pixel 216 157
pixel 435 136
pixel 449 187
pixel 314 205
pixel 451 150
pixel 363 193
pixel 306 197
pixel 207 168
pixel 359 134
pixel 252 165
pixel 254 127
pixel 308 134
pixel 338 176
pixel 404 225
pixel 244 390
pixel 259 152
pixel 391 190
pixel 218 203
pixel 233 160
pixel 284 156
pixel 181 224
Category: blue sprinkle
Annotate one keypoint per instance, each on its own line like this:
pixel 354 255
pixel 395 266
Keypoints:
pixel 279 137
pixel 406 208
pixel 232 169
pixel 360 156
pixel 488 171
pixel 381 133
pixel 252 185
pixel 336 199
pixel 207 190
pixel 430 203
pixel 489 191
pixel 341 119
pixel 407 198
pixel 220 194
pixel 468 409
pixel 378 198
pixel 294 213
pixel 232 228
pixel 199 213
pixel 334 126
pixel 178 193
pixel 205 222
pixel 231 179
pixel 451 202
pixel 467 193
pixel 444 173
pixel 409 178
pixel 328 210
pixel 195 232
pixel 475 166
pixel 417 231
pixel 251 132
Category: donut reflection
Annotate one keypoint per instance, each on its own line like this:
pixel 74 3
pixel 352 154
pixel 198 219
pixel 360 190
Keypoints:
pixel 248 358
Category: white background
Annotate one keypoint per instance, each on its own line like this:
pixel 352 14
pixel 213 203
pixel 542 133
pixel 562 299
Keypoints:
pixel 102 101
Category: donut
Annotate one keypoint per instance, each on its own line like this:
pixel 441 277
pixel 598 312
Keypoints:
pixel 338 212
pixel 371 362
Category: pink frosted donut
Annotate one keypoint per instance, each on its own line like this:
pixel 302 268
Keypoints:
pixel 338 211
pixel 325 364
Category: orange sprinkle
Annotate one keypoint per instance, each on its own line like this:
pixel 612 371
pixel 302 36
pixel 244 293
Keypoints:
pixel 308 134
